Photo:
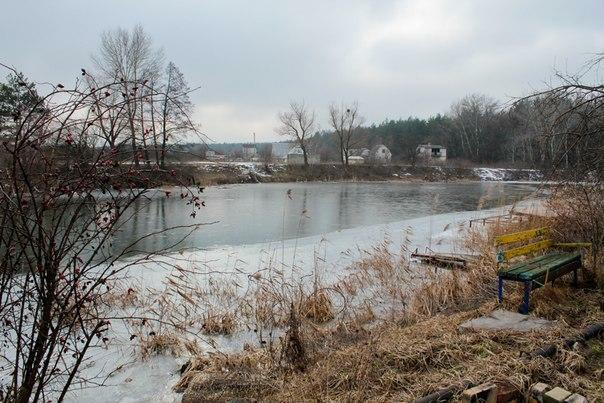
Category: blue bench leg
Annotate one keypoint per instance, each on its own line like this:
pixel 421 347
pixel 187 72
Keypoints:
pixel 575 278
pixel 528 285
pixel 500 290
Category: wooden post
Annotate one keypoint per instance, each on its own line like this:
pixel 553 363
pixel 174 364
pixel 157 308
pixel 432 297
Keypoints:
pixel 487 392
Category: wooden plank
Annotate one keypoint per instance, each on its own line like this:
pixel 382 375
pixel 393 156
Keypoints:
pixel 522 236
pixel 526 249
pixel 535 262
pixel 559 272
pixel 438 259
pixel 572 245
pixel 487 392
pixel 552 266
pixel 514 271
pixel 444 259
pixel 534 268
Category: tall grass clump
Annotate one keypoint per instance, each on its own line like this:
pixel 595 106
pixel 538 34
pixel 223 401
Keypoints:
pixel 578 216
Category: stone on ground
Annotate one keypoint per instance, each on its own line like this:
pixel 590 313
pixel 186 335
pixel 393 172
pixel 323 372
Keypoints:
pixel 506 320
pixel 556 395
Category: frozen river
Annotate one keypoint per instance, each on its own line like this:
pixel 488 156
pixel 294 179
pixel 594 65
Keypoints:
pixel 289 223
pixel 263 213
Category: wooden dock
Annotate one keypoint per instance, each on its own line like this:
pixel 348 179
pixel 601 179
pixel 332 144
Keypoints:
pixel 450 260
pixel 512 216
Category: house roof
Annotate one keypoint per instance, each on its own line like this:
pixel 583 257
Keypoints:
pixel 430 146
pixel 358 152
pixel 377 147
pixel 280 150
pixel 295 151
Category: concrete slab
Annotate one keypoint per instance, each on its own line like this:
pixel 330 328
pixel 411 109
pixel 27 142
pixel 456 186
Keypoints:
pixel 506 320
pixel 556 395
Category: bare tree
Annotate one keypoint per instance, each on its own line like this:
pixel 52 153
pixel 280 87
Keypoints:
pixel 174 111
pixel 572 123
pixel 471 116
pixel 129 58
pixel 345 121
pixel 571 132
pixel 298 124
pixel 61 202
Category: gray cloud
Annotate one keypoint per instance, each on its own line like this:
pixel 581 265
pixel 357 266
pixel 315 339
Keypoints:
pixel 397 58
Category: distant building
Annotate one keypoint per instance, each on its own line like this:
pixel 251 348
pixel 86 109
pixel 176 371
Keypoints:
pixel 432 152
pixel 380 154
pixel 359 152
pixel 355 160
pixel 280 150
pixel 212 155
pixel 295 156
pixel 249 151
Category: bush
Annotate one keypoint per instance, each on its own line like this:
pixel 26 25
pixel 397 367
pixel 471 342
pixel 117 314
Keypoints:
pixel 578 216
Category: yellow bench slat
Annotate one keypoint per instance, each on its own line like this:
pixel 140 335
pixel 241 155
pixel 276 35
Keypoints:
pixel 521 236
pixel 530 248
pixel 573 245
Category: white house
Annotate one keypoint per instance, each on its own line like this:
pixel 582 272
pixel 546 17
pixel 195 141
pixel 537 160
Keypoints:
pixel 356 160
pixel 295 156
pixel 280 150
pixel 363 153
pixel 380 154
pixel 212 155
pixel 432 152
pixel 249 151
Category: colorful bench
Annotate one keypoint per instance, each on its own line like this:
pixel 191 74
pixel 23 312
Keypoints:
pixel 537 271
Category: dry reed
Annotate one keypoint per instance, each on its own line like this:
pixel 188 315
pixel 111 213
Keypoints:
pixel 420 349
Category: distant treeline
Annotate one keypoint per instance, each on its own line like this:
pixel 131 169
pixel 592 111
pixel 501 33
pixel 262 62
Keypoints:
pixel 531 133
pixel 478 129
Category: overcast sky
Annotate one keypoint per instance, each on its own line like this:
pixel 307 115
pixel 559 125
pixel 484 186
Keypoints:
pixel 396 58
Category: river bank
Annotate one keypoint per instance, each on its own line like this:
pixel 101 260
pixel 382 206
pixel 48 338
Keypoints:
pixel 220 173
pixel 422 349
pixel 200 285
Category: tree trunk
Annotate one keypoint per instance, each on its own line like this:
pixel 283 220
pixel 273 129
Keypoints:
pixel 153 130
pixel 165 122
pixel 305 156
pixel 143 134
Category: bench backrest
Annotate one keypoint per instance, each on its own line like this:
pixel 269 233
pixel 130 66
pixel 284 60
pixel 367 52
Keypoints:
pixel 522 243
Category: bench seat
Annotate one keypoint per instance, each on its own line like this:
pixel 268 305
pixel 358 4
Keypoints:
pixel 557 263
pixel 534 273
pixel 538 271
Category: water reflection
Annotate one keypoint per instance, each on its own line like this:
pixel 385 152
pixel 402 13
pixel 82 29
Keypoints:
pixel 261 213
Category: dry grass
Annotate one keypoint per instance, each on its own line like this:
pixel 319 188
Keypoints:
pixel 220 378
pixel 166 344
pixel 219 324
pixel 413 350
pixel 404 362
pixel 317 307
pixel 122 298
pixel 398 361
pixel 578 216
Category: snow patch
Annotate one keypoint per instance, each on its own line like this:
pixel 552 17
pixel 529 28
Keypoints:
pixel 507 174
pixel 133 380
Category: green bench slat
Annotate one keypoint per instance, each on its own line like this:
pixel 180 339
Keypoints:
pixel 514 271
pixel 552 266
pixel 560 271
pixel 551 262
pixel 538 266
pixel 521 267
